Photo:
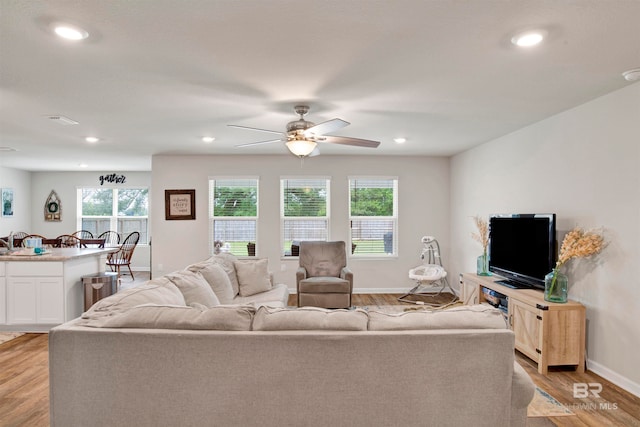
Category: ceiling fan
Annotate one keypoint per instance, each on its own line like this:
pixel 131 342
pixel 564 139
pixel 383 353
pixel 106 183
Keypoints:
pixel 302 136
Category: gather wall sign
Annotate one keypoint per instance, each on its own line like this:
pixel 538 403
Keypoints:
pixel 112 178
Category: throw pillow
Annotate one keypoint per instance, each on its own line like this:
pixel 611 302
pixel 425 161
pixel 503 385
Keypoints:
pixel 194 288
pixel 253 276
pixel 226 261
pixel 217 278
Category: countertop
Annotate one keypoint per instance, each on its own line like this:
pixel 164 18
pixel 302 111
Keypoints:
pixel 54 254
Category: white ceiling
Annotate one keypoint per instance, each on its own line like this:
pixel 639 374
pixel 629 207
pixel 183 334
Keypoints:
pixel 156 75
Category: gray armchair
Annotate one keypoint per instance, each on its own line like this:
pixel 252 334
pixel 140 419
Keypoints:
pixel 322 278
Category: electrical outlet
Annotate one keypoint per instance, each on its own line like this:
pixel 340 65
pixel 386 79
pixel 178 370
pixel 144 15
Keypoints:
pixel 160 267
pixel 283 267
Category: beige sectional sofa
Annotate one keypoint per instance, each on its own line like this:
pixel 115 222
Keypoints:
pixel 168 354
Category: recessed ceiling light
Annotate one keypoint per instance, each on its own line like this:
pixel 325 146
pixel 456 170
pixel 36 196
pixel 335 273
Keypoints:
pixel 400 140
pixel 70 32
pixel 632 75
pixel 208 139
pixel 529 38
pixel 83 165
pixel 92 139
pixel 7 149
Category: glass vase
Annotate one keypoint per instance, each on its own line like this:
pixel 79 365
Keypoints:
pixel 555 287
pixel 482 266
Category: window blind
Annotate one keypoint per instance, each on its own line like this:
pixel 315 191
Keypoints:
pixel 373 215
pixel 233 215
pixel 304 211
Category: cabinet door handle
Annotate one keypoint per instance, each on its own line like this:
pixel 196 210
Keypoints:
pixel 511 320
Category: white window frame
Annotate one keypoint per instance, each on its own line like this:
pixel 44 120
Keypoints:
pixel 393 218
pixel 284 237
pixel 213 218
pixel 114 217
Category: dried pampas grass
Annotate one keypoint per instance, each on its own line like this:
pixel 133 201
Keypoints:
pixel 579 243
pixel 482 236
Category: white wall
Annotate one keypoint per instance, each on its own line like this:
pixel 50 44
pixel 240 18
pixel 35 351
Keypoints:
pixel 582 164
pixel 423 209
pixel 20 181
pixel 65 185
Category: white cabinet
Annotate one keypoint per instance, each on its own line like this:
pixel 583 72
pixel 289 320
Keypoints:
pixel 35 296
pixel 39 292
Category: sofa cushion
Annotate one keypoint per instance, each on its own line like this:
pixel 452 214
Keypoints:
pixel 151 316
pixel 225 261
pixel 309 318
pixel 253 276
pixel 468 317
pixel 157 291
pixel 217 278
pixel 194 287
pixel 277 296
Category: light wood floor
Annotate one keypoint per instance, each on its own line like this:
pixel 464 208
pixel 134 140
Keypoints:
pixel 24 385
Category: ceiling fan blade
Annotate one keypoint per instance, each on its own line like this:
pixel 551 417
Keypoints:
pixel 326 127
pixel 344 140
pixel 259 142
pixel 256 129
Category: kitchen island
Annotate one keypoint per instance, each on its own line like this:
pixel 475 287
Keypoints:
pixel 38 292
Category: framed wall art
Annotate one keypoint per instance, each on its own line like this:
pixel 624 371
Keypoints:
pixel 7 202
pixel 180 204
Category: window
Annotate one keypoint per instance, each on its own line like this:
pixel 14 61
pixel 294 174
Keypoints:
pixel 304 211
pixel 373 215
pixel 122 210
pixel 233 215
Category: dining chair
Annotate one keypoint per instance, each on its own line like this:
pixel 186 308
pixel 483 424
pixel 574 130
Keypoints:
pixel 83 234
pixel 122 257
pixel 69 241
pixel 111 238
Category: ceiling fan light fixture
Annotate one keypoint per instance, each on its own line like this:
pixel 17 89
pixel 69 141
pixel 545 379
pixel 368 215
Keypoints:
pixel 70 32
pixel 529 38
pixel 301 147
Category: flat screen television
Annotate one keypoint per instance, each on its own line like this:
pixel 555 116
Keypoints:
pixel 522 248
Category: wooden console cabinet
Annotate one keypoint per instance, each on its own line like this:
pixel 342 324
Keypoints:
pixel 551 334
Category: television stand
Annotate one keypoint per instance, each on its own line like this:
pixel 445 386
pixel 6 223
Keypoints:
pixel 551 334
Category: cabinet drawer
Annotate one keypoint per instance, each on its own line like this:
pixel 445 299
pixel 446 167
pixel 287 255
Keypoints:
pixel 34 268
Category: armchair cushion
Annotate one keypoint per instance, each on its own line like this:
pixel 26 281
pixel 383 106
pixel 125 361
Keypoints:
pixel 323 258
pixel 324 284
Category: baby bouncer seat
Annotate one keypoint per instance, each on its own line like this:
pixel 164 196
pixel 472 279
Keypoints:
pixel 431 278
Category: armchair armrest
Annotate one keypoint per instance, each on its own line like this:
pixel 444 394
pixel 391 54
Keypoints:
pixel 301 274
pixel 347 274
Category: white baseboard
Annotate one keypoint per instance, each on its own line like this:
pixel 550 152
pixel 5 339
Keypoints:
pixel 614 377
